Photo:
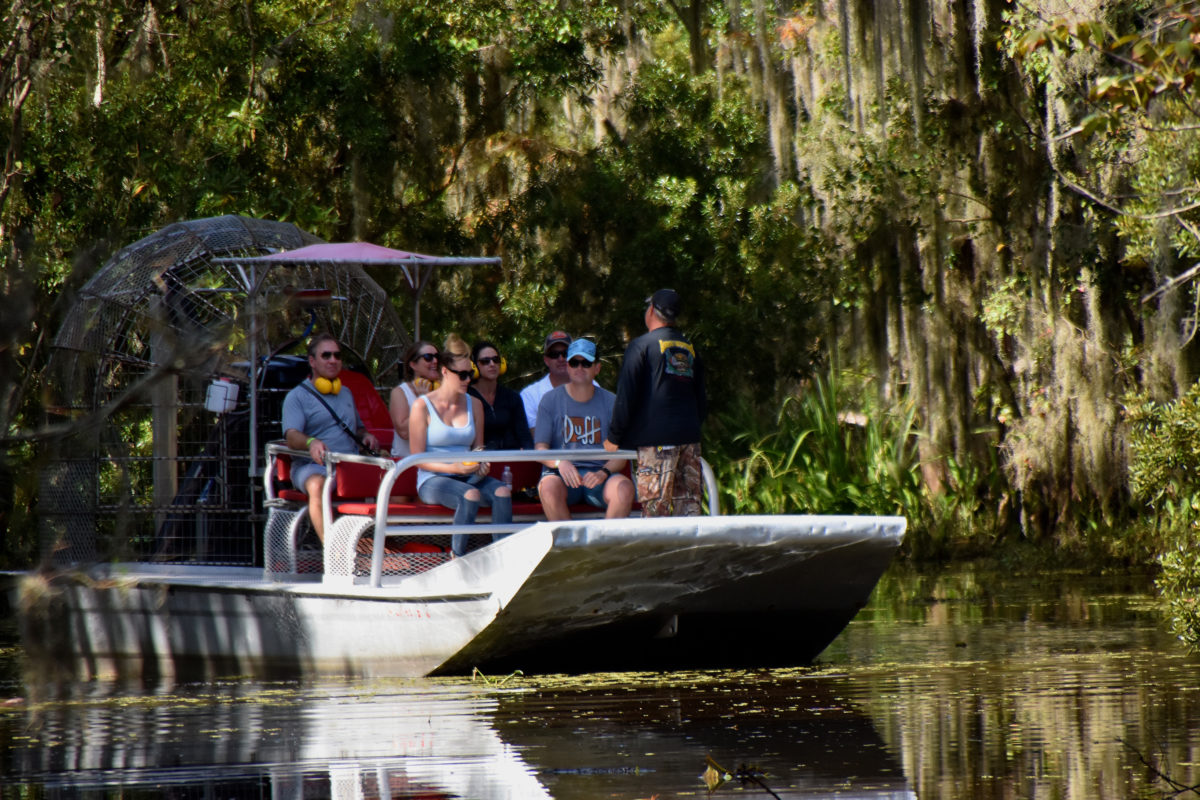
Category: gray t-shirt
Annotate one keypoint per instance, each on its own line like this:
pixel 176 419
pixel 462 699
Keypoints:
pixel 565 424
pixel 532 396
pixel 306 414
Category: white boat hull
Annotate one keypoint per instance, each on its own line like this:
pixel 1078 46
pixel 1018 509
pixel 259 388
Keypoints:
pixel 636 593
pixel 688 592
pixel 184 622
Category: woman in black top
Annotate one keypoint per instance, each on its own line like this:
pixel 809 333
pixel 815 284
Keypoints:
pixel 504 424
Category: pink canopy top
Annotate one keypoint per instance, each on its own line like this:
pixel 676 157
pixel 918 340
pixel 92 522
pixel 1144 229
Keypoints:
pixel 363 253
pixel 344 251
pixel 417 268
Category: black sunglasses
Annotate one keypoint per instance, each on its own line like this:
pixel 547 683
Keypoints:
pixel 579 363
pixel 464 375
pixel 425 356
pixel 483 362
pixel 556 354
pixel 328 354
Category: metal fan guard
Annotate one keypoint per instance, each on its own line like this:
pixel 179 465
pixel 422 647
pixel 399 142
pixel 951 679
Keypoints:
pixel 144 468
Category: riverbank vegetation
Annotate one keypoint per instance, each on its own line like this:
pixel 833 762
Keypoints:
pixel 937 256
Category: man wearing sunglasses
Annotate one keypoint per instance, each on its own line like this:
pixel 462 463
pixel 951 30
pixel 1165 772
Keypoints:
pixel 660 405
pixel 554 355
pixel 575 416
pixel 319 416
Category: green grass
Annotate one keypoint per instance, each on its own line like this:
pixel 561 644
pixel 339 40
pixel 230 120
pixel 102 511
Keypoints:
pixel 829 450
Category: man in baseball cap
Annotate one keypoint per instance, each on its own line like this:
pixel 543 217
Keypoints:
pixel 660 405
pixel 666 303
pixel 554 355
pixel 575 416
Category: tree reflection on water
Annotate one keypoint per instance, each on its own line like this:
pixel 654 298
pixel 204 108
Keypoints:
pixel 1051 685
pixel 956 685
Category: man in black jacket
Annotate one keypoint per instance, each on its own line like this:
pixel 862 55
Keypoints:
pixel 660 405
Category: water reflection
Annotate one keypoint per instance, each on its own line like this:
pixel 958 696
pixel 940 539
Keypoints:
pixel 353 740
pixel 1040 686
pixel 626 736
pixel 630 738
pixel 951 686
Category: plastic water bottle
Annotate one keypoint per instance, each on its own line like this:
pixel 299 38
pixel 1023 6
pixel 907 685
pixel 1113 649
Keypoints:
pixel 506 476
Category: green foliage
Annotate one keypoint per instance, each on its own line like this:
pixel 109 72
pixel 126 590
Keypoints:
pixel 677 200
pixel 814 457
pixel 1164 464
pixel 1164 474
pixel 346 118
pixel 817 454
pixel 1179 585
pixel 1158 58
pixel 1136 65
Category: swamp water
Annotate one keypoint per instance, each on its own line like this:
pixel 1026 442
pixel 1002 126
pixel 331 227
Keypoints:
pixel 961 685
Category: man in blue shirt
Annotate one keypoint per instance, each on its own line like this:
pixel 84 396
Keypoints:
pixel 575 416
pixel 321 427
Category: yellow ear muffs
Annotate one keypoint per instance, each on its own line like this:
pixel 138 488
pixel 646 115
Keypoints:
pixel 475 369
pixel 326 386
pixel 425 385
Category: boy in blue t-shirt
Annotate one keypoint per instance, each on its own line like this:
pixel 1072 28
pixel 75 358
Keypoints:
pixel 575 416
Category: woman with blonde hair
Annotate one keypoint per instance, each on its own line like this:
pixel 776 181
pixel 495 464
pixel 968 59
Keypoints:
pixel 448 420
pixel 456 346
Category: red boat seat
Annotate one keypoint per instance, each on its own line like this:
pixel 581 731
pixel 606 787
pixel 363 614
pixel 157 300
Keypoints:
pixel 356 490
pixel 525 473
pixel 283 481
pixel 371 409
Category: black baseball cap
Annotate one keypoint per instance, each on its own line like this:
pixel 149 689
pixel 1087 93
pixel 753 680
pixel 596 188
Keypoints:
pixel 666 303
pixel 556 337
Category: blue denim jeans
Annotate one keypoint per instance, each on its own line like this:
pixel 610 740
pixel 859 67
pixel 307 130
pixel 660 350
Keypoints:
pixel 450 492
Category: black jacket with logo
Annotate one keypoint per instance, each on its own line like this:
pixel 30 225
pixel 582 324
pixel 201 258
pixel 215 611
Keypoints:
pixel 660 394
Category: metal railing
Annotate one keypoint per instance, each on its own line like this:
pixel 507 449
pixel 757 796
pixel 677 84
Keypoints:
pixel 393 470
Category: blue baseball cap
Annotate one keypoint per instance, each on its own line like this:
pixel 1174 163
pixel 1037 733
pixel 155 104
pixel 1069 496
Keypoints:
pixel 582 347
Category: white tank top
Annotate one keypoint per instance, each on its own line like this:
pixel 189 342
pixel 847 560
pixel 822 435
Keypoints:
pixel 443 438
pixel 400 446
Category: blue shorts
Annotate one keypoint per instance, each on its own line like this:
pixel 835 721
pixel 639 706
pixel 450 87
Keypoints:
pixel 302 473
pixel 582 494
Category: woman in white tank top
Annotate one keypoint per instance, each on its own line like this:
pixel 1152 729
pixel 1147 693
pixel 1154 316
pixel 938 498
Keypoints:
pixel 421 373
pixel 448 420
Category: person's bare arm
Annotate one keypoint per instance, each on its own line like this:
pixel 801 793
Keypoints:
pixel 399 411
pixel 299 440
pixel 477 413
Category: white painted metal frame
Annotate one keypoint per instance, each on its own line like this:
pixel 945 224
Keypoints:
pixel 419 525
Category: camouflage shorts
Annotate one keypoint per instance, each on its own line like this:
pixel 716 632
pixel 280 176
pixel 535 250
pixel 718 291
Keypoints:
pixel 669 480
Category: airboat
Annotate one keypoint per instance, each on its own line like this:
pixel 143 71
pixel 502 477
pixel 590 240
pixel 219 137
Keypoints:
pixel 175 546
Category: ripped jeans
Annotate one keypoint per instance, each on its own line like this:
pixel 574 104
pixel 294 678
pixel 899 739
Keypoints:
pixel 450 492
